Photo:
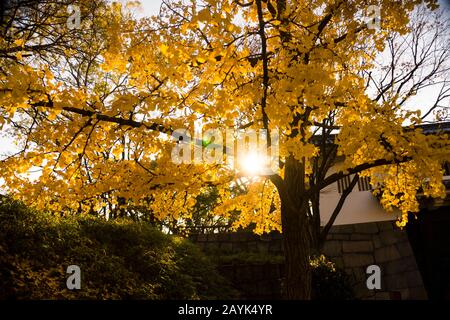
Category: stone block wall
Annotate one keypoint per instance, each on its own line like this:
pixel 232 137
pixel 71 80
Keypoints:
pixel 354 247
pixel 351 247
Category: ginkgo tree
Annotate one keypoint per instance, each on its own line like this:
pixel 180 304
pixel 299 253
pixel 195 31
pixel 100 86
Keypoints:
pixel 92 109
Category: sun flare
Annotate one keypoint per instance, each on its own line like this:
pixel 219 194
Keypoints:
pixel 253 164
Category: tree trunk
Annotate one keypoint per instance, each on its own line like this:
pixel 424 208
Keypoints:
pixel 297 250
pixel 297 238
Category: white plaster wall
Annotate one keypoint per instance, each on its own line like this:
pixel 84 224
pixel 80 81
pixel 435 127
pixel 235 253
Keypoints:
pixel 359 207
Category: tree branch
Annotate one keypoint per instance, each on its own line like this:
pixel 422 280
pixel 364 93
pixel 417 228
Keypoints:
pixel 337 210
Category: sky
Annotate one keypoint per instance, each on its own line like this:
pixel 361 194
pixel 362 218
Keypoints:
pixel 151 7
pixel 445 3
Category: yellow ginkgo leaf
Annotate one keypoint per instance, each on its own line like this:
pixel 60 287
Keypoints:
pixel 164 49
pixel 200 60
pixel 19 42
pixel 204 15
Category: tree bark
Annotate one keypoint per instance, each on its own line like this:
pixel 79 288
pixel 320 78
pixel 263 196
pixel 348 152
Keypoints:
pixel 296 227
pixel 297 250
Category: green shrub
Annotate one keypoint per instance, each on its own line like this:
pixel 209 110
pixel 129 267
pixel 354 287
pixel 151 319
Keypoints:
pixel 329 282
pixel 118 259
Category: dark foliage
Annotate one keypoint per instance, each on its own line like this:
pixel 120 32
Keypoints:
pixel 118 260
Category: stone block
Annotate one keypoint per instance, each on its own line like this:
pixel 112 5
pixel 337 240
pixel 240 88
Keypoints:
pixel 338 261
pixel 202 245
pixel 394 267
pixel 376 241
pixel 394 236
pixel 361 290
pixel 349 271
pixel 245 273
pixel 341 236
pixel 240 247
pixel 252 246
pixel 385 225
pixel 223 237
pixel 357 246
pixel 211 246
pixel 360 275
pixel 263 247
pixel 226 247
pixel 332 248
pixel 241 236
pixel 385 254
pixel 398 266
pixel 259 272
pixel 388 238
pixel 275 247
pixel 213 237
pixel 410 263
pixel 395 282
pixel 357 260
pixel 200 238
pixel 361 236
pixel 369 228
pixel 276 236
pixel 404 248
pixel 346 229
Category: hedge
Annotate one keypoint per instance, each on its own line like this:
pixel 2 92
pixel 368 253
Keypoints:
pixel 118 259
